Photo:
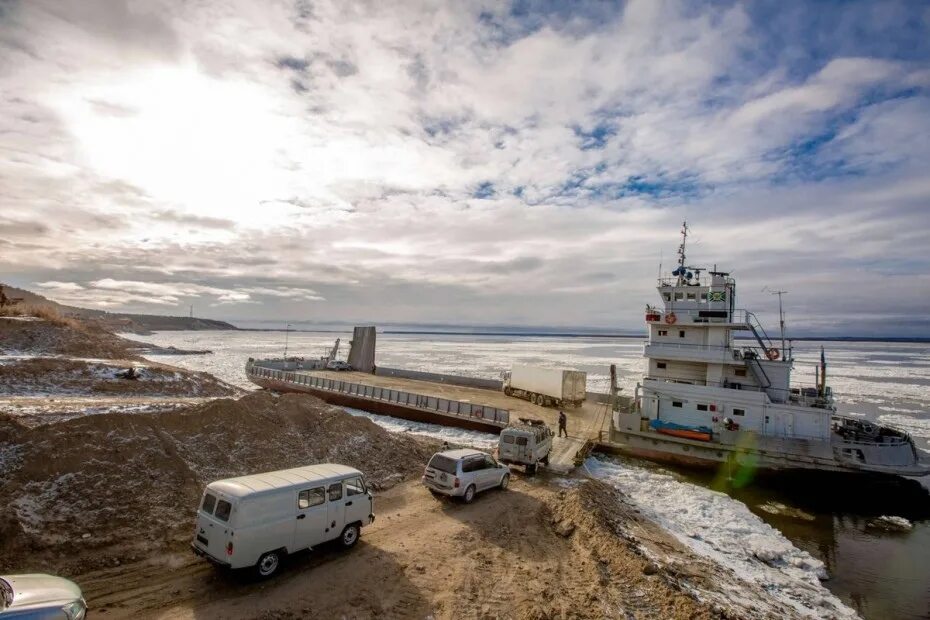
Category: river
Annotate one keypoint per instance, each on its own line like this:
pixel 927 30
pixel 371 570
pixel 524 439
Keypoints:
pixel 881 573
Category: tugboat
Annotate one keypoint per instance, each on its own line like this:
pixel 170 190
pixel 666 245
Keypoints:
pixel 706 400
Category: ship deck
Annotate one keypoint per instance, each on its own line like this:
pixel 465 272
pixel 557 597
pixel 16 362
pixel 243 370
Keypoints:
pixel 584 422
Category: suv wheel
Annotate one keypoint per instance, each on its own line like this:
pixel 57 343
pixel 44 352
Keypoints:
pixel 505 480
pixel 469 496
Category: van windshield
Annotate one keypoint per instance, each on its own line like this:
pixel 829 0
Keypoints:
pixel 443 463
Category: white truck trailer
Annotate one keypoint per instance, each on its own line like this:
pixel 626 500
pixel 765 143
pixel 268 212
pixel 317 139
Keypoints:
pixel 547 387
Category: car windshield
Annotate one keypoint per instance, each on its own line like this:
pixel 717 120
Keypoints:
pixel 7 595
pixel 443 463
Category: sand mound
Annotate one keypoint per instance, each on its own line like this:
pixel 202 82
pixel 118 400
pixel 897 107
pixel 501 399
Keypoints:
pixel 70 338
pixel 95 490
pixel 55 375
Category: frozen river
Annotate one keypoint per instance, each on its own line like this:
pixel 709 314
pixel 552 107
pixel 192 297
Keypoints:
pixel 878 572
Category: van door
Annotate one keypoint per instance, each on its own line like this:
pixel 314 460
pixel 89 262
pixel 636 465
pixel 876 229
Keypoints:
pixel 212 531
pixel 310 524
pixel 358 501
pixel 335 510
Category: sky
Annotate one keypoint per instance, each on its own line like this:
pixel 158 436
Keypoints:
pixel 480 163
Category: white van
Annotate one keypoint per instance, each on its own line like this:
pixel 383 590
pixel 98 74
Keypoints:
pixel 254 521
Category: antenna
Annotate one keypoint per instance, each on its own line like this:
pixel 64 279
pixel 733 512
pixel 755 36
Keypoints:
pixel 681 253
pixel 192 310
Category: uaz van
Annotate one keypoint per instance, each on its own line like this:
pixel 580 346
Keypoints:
pixel 254 521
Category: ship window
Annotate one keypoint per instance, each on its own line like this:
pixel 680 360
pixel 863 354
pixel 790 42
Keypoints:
pixel 703 296
pixel 702 407
pixel 679 296
pixel 691 297
pixel 681 333
pixel 661 365
pixel 667 296
pixel 739 411
pixel 663 332
pixel 739 372
pixel 676 403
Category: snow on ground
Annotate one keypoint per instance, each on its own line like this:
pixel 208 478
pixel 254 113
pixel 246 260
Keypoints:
pixel 723 529
pixel 455 436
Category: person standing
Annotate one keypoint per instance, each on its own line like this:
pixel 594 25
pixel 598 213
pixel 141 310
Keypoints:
pixel 563 420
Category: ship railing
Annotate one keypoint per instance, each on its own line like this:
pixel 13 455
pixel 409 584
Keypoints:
pixel 693 315
pixel 422 402
pixel 737 352
pixel 903 437
pixel 796 395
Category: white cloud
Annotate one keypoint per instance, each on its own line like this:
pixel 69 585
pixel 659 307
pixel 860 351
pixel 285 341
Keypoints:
pixel 243 153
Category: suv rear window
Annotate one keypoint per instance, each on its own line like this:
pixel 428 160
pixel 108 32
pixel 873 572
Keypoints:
pixel 209 501
pixel 443 463
pixel 223 509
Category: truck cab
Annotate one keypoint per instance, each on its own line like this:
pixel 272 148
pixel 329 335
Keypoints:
pixel 527 443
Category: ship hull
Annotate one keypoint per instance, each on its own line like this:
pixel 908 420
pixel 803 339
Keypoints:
pixel 761 457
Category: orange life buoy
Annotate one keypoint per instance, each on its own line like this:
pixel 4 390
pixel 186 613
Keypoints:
pixel 772 354
pixel 670 318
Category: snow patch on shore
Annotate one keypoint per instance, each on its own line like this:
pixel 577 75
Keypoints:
pixel 723 529
pixel 455 436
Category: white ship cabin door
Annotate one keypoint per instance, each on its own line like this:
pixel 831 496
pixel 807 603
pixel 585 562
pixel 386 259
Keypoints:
pixel 784 424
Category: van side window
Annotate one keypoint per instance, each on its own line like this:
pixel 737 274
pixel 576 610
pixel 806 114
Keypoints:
pixel 521 441
pixel 310 498
pixel 355 486
pixel 508 438
pixel 223 508
pixel 209 501
pixel 335 491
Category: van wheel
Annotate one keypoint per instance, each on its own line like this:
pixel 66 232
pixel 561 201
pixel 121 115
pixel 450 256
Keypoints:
pixel 349 536
pixel 545 460
pixel 531 469
pixel 505 480
pixel 268 564
pixel 469 496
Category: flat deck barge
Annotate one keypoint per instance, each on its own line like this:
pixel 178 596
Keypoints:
pixel 425 401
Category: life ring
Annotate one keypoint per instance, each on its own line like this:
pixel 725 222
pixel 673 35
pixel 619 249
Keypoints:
pixel 479 413
pixel 772 354
pixel 670 318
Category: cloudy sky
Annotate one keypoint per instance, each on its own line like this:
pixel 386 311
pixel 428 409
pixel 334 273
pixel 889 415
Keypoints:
pixel 525 163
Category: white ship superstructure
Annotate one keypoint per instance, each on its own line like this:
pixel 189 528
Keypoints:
pixel 705 398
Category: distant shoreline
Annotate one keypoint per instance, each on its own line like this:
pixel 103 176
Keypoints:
pixel 546 334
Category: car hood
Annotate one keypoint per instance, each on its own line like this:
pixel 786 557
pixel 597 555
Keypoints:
pixel 32 590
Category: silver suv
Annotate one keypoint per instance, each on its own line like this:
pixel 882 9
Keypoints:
pixel 40 597
pixel 463 473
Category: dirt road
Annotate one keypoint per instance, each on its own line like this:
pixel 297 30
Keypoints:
pixel 512 553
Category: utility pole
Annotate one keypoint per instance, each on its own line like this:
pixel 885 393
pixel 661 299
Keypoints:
pixel 192 310
pixel 287 327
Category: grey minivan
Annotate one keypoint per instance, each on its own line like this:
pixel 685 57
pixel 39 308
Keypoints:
pixel 464 473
